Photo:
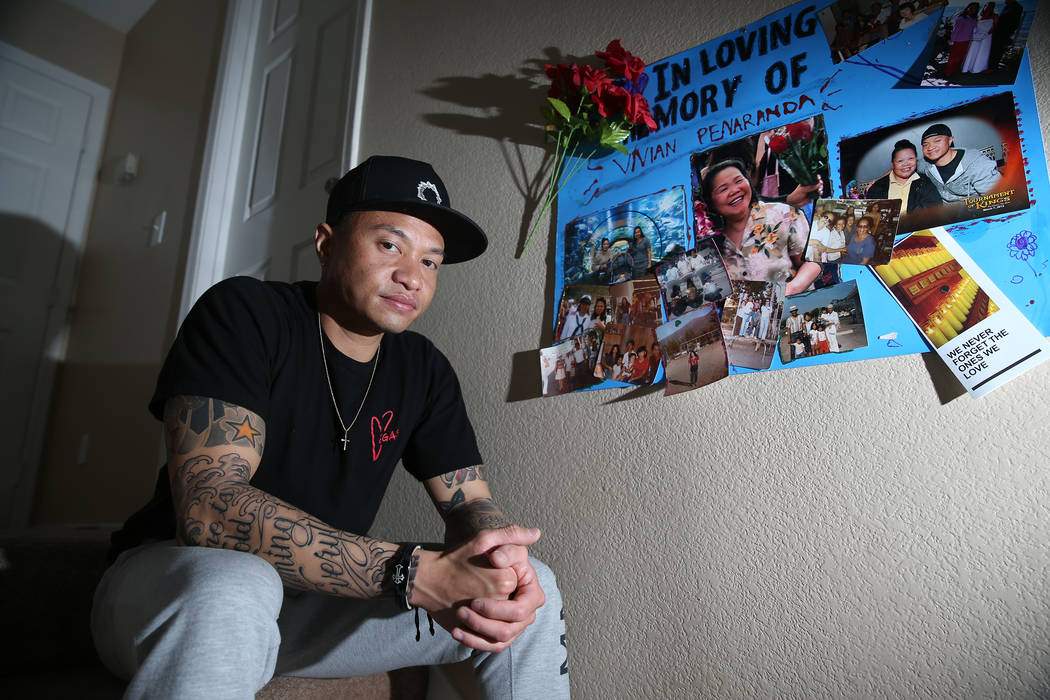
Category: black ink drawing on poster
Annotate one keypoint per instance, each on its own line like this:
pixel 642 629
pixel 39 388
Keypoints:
pixel 826 322
pixel 855 25
pixel 621 243
pixel 853 231
pixel 751 322
pixel 968 164
pixel 978 44
pixel 692 279
pixel 693 352
pixel 569 365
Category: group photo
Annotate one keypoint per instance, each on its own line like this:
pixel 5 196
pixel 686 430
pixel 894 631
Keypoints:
pixel 854 25
pixel 569 365
pixel 629 354
pixel 979 43
pixel 692 279
pixel 829 320
pixel 853 231
pixel 751 323
pixel 955 165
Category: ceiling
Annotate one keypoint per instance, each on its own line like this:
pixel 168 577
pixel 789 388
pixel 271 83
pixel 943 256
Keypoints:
pixel 122 15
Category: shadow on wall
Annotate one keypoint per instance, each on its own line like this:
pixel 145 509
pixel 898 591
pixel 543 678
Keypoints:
pixel 35 266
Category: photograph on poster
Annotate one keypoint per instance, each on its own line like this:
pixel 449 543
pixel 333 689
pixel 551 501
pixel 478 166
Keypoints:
pixel 636 303
pixel 693 279
pixel 750 208
pixel 582 307
pixel 936 292
pixel 854 25
pixel 751 322
pixel 621 243
pixel 978 44
pixel 629 354
pixel 693 352
pixel 829 320
pixel 853 231
pixel 569 365
pixel 968 164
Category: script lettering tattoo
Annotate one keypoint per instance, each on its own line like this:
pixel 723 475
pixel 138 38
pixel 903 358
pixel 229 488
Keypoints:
pixel 216 506
pixel 465 519
pixel 191 422
pixel 461 476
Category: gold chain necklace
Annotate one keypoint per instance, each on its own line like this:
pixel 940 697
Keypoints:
pixel 331 392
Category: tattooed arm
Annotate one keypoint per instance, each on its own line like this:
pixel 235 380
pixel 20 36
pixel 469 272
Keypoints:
pixel 465 502
pixel 215 447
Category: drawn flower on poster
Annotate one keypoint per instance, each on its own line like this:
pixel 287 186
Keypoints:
pixel 1023 245
pixel 589 111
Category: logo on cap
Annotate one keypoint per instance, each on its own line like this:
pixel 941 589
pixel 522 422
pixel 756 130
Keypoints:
pixel 423 187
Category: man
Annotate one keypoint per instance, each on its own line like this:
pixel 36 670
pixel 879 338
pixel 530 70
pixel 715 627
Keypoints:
pixel 796 326
pixel 831 327
pixel 286 409
pixel 578 320
pixel 1002 36
pixel 956 173
pixel 820 239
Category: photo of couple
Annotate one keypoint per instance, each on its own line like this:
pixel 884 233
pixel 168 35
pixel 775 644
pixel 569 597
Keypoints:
pixel 960 164
pixel 623 242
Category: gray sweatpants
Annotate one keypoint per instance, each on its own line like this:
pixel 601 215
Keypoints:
pixel 195 622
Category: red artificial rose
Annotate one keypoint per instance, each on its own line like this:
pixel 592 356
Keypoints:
pixel 638 112
pixel 564 79
pixel 800 131
pixel 778 144
pixel 593 78
pixel 612 100
pixel 621 62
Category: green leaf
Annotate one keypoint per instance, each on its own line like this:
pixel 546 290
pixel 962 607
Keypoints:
pixel 619 147
pixel 563 109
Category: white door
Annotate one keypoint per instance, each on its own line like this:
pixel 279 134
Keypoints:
pixel 45 117
pixel 298 134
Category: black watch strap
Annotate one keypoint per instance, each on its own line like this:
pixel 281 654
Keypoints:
pixel 402 572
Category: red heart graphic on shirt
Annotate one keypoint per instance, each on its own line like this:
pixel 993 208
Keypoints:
pixel 377 446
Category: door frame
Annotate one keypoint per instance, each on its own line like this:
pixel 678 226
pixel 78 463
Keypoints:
pixel 215 209
pixel 67 272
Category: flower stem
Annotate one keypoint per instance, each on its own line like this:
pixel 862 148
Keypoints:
pixel 553 188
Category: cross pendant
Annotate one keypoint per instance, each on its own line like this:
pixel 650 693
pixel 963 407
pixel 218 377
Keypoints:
pixel 346 442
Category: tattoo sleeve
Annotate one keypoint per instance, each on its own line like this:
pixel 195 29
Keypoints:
pixel 216 506
pixel 465 518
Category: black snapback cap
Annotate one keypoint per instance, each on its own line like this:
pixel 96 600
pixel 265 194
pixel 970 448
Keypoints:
pixel 392 183
pixel 936 130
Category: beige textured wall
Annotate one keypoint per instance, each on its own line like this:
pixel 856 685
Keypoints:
pixel 824 532
pixel 128 293
pixel 64 36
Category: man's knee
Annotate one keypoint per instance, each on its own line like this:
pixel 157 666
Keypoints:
pixel 548 582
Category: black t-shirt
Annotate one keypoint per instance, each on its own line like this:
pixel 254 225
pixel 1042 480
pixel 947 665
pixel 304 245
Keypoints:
pixel 946 171
pixel 255 344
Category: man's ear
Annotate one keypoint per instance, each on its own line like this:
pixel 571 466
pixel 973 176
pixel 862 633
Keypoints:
pixel 323 236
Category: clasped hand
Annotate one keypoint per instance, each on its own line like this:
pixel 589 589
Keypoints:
pixel 483 591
